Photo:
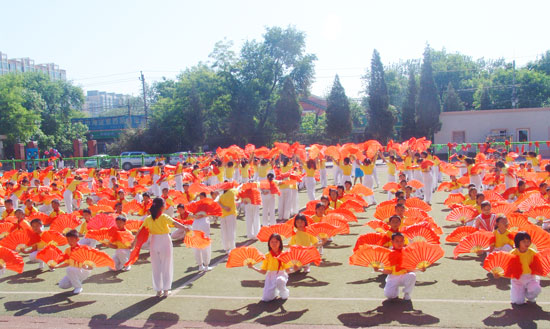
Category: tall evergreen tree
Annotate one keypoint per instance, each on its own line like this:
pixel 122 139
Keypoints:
pixel 452 102
pixel 287 110
pixel 338 112
pixel 380 118
pixel 429 107
pixel 408 114
pixel 484 99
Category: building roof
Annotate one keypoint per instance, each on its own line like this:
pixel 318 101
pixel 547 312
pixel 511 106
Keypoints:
pixel 313 104
pixel 485 112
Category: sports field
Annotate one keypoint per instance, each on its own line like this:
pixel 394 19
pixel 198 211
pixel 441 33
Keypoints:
pixel 452 293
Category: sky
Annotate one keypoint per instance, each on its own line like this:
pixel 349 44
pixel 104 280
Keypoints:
pixel 103 45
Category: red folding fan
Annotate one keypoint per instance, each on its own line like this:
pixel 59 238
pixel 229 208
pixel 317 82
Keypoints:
pixel 338 221
pixel 53 237
pixel 196 239
pixel 11 260
pixel 349 216
pixel 64 223
pixel 101 221
pixel 503 209
pixel 243 256
pixel 518 222
pixel 378 226
pixel 503 264
pixel 101 208
pixel 417 203
pixel 493 196
pixel 141 238
pixel 420 255
pixel 417 233
pixel 541 263
pixel 125 237
pixel 371 256
pixel 5 229
pixel 206 205
pixel 40 215
pixel 445 186
pixel 131 207
pixel 102 235
pixel 384 212
pixel 19 239
pixel 391 187
pixel 285 231
pixel 133 225
pixel 459 233
pixel 474 242
pixel 374 239
pixel 300 256
pixel 51 255
pixel 462 215
pixel 539 213
pixel 361 189
pixel 86 256
pixel 322 230
pixel 252 194
pixel 416 184
pixel 105 202
pixel 540 239
pixel 416 214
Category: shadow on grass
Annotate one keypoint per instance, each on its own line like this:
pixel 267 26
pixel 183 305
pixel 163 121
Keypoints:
pixel 328 263
pixel 276 314
pixel 501 283
pixel 46 305
pixel 523 316
pixel 400 311
pixel 337 246
pixel 143 258
pixel 25 277
pixel 467 257
pixel 155 320
pixel 104 278
pixel 380 279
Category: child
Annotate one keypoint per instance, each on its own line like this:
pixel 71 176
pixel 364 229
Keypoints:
pixel 202 256
pixel 395 226
pixel 122 252
pixel 485 221
pixel 268 201
pixel 319 212
pixel 398 276
pixel 503 242
pixel 181 216
pixel 75 275
pixel 36 226
pixel 87 215
pixel 528 285
pixel 302 238
pixel 228 219
pixel 277 272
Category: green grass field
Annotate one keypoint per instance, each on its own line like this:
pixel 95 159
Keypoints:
pixel 452 293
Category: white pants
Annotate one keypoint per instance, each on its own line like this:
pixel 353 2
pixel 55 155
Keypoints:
pixel 393 282
pixel 375 174
pixel 121 257
pixel 323 177
pixel 162 261
pixel 74 277
pixel 476 180
pixel 228 225
pixel 391 178
pixel 285 203
pixel 268 211
pixel 275 285
pixel 88 242
pixel 202 256
pixel 417 174
pixel 178 234
pixel 294 207
pixel 527 287
pixel 369 182
pixel 310 187
pixel 510 181
pixel 252 219
pixel 68 197
pixel 427 179
pixel 32 258
pixel 337 175
pixel 505 248
pixel 179 183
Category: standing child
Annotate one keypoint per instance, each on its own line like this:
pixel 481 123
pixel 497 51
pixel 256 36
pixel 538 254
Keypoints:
pixel 528 285
pixel 202 256
pixel 75 275
pixel 228 220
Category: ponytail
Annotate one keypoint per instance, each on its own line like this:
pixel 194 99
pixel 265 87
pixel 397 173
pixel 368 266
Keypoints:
pixel 156 207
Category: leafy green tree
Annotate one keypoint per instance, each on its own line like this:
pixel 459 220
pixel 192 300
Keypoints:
pixel 380 118
pixel 338 112
pixel 451 100
pixel 288 111
pixel 312 129
pixel 358 114
pixel 408 113
pixel 484 102
pixel 429 107
pixel 542 64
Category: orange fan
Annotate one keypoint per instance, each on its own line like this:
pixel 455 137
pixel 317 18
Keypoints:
pixel 102 235
pixel 11 219
pixel 493 196
pixel 86 256
pixel 64 223
pixel 462 215
pixel 416 214
pixel 539 213
pixel 300 256
pixel 384 212
pixel 101 221
pixel 420 255
pixel 378 226
pixel 284 230
pixel 125 237
pixel 503 209
pixel 322 230
pixel 53 237
pixel 252 194
pixel 50 255
pixel 374 239
pixel 540 239
pixel 503 264
pixel 533 201
pixel 454 198
pixel 518 222
pixel 131 207
pixel 352 205
pixel 5 229
pixel 541 263
pixel 338 221
pixel 348 215
pixel 141 238
pixel 11 260
pixel 133 225
pixel 196 239
pixel 371 256
pixel 40 215
pixel 417 203
pixel 18 240
pixel 474 242
pixel 445 186
pixel 310 206
pixel 99 209
pixel 362 190
pixel 206 205
pixel 459 233
pixel 416 184
pixel 355 198
pixel 243 256
pixel 105 202
pixel 391 187
pixel 420 232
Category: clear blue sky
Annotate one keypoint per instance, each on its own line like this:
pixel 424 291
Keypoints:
pixel 104 44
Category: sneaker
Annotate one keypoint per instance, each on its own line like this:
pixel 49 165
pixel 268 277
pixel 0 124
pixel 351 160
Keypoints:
pixel 201 268
pixel 77 291
pixel 127 268
pixel 406 297
pixel 41 265
pixel 207 268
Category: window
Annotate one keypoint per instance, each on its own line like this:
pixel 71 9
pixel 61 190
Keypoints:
pixel 459 137
pixel 523 135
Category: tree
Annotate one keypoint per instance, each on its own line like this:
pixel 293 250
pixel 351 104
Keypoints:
pixel 338 116
pixel 484 99
pixel 542 64
pixel 380 118
pixel 287 110
pixel 408 113
pixel 451 100
pixel 429 107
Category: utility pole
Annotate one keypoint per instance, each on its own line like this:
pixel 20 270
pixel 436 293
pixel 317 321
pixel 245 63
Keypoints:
pixel 144 96
pixel 129 111
pixel 514 97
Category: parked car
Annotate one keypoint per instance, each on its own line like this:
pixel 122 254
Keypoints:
pixel 177 157
pixel 104 162
pixel 133 159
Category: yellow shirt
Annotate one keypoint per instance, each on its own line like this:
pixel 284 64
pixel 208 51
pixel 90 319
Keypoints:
pixel 228 200
pixel 285 169
pixel 83 228
pixel 30 211
pixel 161 225
pixel 407 162
pixel 346 169
pixel 310 172
pixel 302 238
pixel 368 170
pixel 469 202
pixel 316 219
pixel 263 170
pixel 6 214
pixel 229 171
pixel 391 168
pixel 271 263
pixel 244 171
pixel 323 164
pixel 502 239
pixel 73 185
pixel 526 258
pixel 335 205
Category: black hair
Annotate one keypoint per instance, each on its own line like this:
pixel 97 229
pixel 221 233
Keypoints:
pixel 278 237
pixel 485 204
pixel 145 194
pixel 156 208
pixel 71 234
pixel 348 182
pixel 399 194
pixel 87 211
pixel 319 205
pixel 36 220
pixel 399 205
pixel 300 217
pixel 122 218
pixel 394 216
pixel 182 206
pixel 10 201
pixel 396 234
pixel 520 236
pixel 270 176
pixel 499 219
